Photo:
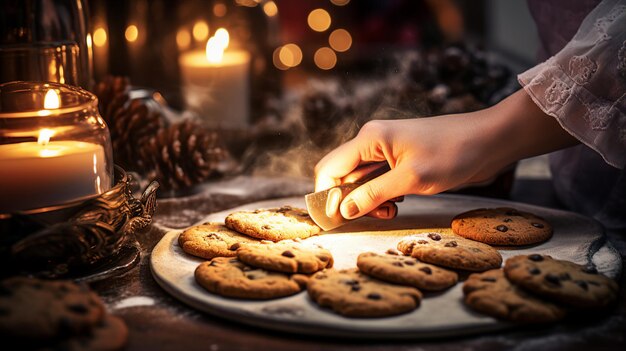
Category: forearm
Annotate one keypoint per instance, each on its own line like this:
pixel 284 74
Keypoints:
pixel 516 129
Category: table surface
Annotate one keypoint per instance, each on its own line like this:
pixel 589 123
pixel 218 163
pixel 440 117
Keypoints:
pixel 157 321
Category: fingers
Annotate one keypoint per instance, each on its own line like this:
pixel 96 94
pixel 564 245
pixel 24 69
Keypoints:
pixel 371 170
pixel 345 159
pixel 387 210
pixel 370 195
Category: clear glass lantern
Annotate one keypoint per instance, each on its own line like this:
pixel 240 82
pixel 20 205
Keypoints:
pixel 55 148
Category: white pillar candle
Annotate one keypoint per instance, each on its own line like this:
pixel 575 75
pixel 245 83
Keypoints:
pixel 216 83
pixel 35 174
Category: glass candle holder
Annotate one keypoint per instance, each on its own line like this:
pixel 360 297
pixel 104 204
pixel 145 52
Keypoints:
pixel 55 148
pixel 44 62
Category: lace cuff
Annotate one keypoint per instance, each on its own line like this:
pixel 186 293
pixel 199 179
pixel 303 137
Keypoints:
pixel 584 85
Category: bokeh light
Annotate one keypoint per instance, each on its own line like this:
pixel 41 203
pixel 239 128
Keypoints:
pixel 99 37
pixel 276 59
pixel 340 40
pixel 319 20
pixel 131 33
pixel 200 31
pixel 270 8
pixel 340 2
pixel 219 9
pixel 290 55
pixel 183 39
pixel 325 58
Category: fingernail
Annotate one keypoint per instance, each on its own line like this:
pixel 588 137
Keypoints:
pixel 332 202
pixel 383 212
pixel 351 208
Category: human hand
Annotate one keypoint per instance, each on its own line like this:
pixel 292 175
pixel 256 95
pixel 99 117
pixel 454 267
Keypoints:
pixel 431 155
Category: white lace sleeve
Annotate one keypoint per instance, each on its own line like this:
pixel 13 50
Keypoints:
pixel 584 85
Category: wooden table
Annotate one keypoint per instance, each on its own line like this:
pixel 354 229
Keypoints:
pixel 159 322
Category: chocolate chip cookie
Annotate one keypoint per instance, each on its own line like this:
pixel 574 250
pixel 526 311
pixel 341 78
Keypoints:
pixel 230 277
pixel 110 334
pixel 353 294
pixel 274 224
pixel 287 256
pixel 451 251
pixel 492 294
pixel 405 270
pixel 212 239
pixel 502 226
pixel 562 281
pixel 38 309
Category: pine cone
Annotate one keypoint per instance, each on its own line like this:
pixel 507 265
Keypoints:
pixel 323 109
pixel 132 126
pixel 108 90
pixel 181 155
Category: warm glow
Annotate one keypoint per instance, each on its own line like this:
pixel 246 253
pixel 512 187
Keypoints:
pixel 214 51
pixel 290 55
pixel 270 8
pixel 200 31
pixel 340 2
pixel 219 10
pixel 340 40
pixel 222 37
pixel 132 33
pixel 88 39
pixel 99 37
pixel 51 100
pixel 276 59
pixel 44 136
pixel 319 20
pixel 325 58
pixel 183 39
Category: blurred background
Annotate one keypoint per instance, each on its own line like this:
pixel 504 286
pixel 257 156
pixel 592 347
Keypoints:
pixel 278 83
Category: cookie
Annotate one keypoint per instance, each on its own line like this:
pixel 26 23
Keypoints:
pixel 230 277
pixel 109 335
pixel 38 309
pixel 286 256
pixel 211 239
pixel 274 224
pixel 405 270
pixel 502 226
pixel 353 294
pixel 492 294
pixel 451 251
pixel 562 281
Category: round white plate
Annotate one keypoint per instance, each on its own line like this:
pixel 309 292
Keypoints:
pixel 576 238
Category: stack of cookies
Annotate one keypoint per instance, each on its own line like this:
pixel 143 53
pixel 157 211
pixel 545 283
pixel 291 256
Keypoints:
pixel 38 314
pixel 256 254
pixel 389 284
pixel 538 289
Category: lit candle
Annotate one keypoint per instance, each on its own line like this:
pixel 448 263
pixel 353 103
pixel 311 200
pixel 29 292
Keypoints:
pixel 216 82
pixel 47 173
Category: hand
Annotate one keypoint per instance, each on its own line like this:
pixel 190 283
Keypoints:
pixel 431 155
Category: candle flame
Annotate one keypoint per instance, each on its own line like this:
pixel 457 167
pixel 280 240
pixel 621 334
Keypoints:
pixel 51 101
pixel 44 136
pixel 216 45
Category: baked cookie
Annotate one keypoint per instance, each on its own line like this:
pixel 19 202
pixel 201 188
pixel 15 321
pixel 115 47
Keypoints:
pixel 451 251
pixel 286 256
pixel 405 270
pixel 232 278
pixel 38 309
pixel 211 239
pixel 109 335
pixel 274 224
pixel 353 294
pixel 562 281
pixel 502 226
pixel 492 294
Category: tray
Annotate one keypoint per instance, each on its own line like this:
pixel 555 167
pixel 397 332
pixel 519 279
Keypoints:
pixel 576 238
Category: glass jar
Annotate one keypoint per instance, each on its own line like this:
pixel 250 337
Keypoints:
pixel 55 148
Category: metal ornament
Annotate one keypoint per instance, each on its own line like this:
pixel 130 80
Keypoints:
pixel 97 230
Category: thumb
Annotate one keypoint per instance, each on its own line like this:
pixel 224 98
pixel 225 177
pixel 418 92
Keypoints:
pixel 370 195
